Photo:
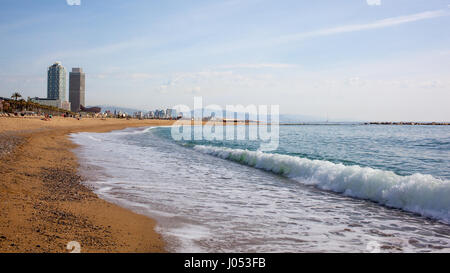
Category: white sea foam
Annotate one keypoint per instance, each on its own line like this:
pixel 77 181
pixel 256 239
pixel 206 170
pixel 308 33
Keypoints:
pixel 198 210
pixel 94 138
pixel 418 193
pixel 132 131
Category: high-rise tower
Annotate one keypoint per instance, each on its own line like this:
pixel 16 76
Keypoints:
pixel 56 82
pixel 77 89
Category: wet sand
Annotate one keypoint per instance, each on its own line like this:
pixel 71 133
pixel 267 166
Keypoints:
pixel 44 204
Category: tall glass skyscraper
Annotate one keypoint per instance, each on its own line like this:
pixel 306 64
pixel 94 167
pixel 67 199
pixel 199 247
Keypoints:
pixel 56 82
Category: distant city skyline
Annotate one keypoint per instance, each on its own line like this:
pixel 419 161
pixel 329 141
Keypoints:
pixel 348 60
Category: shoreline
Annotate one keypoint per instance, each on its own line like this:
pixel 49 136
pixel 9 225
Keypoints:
pixel 43 201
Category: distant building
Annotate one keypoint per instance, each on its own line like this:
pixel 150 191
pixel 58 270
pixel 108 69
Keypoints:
pixel 56 88
pixel 160 114
pixel 56 82
pixel 171 114
pixel 65 105
pixel 77 91
pixel 121 114
pixel 50 102
pixel 94 109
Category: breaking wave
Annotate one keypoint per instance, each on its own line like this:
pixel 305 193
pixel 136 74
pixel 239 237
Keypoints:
pixel 419 193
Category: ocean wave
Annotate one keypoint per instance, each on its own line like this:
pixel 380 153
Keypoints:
pixel 94 138
pixel 132 131
pixel 419 193
pixel 148 129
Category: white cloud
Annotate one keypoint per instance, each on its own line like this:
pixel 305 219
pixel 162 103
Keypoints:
pixel 140 76
pixel 89 52
pixel 355 81
pixel 196 90
pixel 373 2
pixel 388 22
pixel 74 2
pixel 289 38
pixel 260 65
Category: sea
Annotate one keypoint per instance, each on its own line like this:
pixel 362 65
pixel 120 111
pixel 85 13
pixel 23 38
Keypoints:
pixel 325 188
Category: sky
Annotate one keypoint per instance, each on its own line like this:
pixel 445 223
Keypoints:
pixel 371 60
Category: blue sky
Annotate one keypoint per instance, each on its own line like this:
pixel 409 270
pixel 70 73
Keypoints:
pixel 352 59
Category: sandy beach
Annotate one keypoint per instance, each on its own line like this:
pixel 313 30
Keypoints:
pixel 43 202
